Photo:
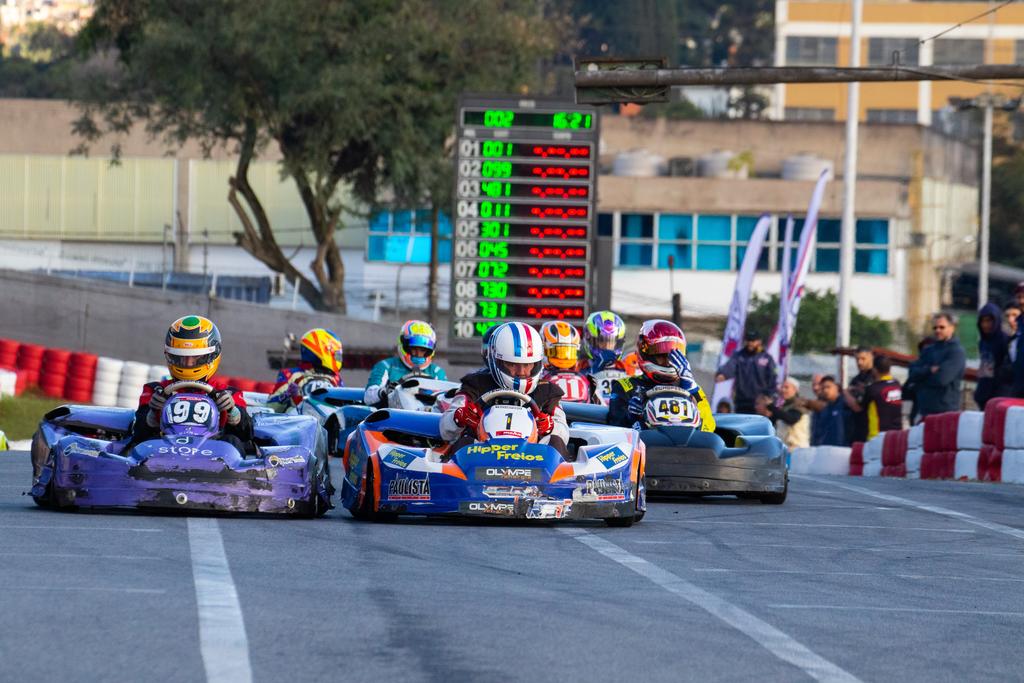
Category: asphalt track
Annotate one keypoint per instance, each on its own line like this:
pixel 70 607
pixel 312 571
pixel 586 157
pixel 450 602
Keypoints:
pixel 851 579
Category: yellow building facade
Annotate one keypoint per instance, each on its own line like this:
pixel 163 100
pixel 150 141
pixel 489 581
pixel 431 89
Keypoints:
pixel 813 33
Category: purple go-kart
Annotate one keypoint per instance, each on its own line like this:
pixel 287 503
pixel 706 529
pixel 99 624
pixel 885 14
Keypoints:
pixel 83 458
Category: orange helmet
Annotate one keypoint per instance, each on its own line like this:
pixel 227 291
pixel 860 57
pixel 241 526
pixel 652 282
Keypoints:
pixel 192 348
pixel 561 344
pixel 321 348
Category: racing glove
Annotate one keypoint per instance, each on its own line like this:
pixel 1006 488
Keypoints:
pixel 226 404
pixel 468 415
pixel 545 424
pixel 635 407
pixel 157 400
pixel 678 361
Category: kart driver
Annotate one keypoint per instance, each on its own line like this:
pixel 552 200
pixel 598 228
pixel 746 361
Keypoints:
pixel 661 350
pixel 416 342
pixel 515 361
pixel 319 358
pixel 192 349
pixel 562 361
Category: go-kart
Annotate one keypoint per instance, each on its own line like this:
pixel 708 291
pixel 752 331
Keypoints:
pixel 341 409
pixel 397 464
pixel 84 458
pixel 742 457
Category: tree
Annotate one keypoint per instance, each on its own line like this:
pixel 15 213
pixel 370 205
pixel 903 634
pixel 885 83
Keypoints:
pixel 816 323
pixel 353 93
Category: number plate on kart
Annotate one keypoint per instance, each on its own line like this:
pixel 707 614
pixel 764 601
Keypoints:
pixel 507 422
pixel 672 410
pixel 604 382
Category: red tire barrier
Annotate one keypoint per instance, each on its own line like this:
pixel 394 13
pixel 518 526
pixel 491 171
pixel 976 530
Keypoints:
pixel 265 387
pixel 243 384
pixel 894 471
pixel 894 449
pixel 995 420
pixel 940 432
pixel 857 459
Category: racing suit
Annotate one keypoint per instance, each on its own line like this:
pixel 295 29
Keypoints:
pixel 241 432
pixel 390 371
pixel 625 389
pixel 589 369
pixel 476 384
pixel 286 391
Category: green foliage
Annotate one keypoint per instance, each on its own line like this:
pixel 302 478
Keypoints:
pixel 816 322
pixel 1007 221
pixel 20 415
pixel 358 93
pixel 680 110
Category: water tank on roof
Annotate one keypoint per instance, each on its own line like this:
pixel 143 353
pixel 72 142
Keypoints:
pixel 638 163
pixel 804 167
pixel 716 164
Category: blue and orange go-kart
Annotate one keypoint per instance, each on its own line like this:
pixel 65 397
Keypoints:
pixel 742 457
pixel 397 464
pixel 84 458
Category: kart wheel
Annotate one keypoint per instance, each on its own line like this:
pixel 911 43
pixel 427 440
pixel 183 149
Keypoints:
pixel 365 511
pixel 623 522
pixel 776 498
pixel 334 449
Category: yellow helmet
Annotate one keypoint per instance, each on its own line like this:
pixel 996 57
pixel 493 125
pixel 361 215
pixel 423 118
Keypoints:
pixel 192 348
pixel 321 348
pixel 561 344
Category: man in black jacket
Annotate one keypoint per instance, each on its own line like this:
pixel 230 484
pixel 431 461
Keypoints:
pixel 939 370
pixel 754 371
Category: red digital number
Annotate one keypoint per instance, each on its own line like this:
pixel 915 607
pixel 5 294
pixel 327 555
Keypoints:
pixel 558 192
pixel 543 232
pixel 563 172
pixel 558 252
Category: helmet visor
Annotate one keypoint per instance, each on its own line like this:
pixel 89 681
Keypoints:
pixel 519 370
pixel 664 346
pixel 562 352
pixel 417 341
pixel 189 358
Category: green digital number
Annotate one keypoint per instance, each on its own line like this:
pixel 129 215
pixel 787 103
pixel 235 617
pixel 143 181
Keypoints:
pixel 571 120
pixel 493 229
pixel 495 210
pixel 496 189
pixel 491 269
pixel 496 169
pixel 498 118
pixel 496 148
pixel 490 309
pixel 492 250
pixel 493 290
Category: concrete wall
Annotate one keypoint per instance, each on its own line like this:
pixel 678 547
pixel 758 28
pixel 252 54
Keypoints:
pixel 130 323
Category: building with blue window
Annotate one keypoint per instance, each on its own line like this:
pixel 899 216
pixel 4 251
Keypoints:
pixel 691 200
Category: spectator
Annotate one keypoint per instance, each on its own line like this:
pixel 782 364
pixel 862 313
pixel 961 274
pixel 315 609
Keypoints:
pixel 939 370
pixel 830 425
pixel 724 407
pixel 1018 295
pixel 792 421
pixel 754 372
pixel 992 356
pixel 1010 315
pixel 858 385
pixel 882 400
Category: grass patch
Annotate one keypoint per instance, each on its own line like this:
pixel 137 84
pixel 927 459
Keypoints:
pixel 20 415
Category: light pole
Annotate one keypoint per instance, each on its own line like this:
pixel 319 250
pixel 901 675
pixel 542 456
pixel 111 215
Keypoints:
pixel 849 227
pixel 988 102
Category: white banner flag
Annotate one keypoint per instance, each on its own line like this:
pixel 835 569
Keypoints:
pixel 795 291
pixel 732 339
pixel 787 261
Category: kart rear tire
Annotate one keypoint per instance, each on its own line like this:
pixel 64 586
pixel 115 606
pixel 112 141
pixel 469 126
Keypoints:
pixel 776 498
pixel 626 522
pixel 365 512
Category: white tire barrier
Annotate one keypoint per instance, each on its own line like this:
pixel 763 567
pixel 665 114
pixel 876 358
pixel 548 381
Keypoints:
pixel 914 456
pixel 1013 431
pixel 968 431
pixel 873 468
pixel 157 373
pixel 1013 466
pixel 966 466
pixel 873 450
pixel 8 382
pixel 916 437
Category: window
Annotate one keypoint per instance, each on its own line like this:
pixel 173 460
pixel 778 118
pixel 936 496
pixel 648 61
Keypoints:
pixel 809 114
pixel 605 223
pixel 810 51
pixel 675 239
pixel 744 229
pixel 892 116
pixel 871 251
pixel 404 237
pixel 958 51
pixel 1018 52
pixel 880 51
pixel 714 238
pixel 636 239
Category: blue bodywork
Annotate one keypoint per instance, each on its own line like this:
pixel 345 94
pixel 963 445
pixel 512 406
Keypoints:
pixel 743 456
pixel 392 465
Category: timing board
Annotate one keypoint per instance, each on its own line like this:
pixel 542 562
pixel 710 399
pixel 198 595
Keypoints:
pixel 525 212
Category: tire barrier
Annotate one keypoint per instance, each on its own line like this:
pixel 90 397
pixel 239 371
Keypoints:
pixel 1013 466
pixel 857 459
pixel 894 454
pixel 820 460
pixel 85 377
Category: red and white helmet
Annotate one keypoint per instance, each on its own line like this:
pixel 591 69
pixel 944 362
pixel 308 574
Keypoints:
pixel 659 338
pixel 516 344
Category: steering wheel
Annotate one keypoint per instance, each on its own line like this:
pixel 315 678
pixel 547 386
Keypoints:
pixel 184 385
pixel 411 380
pixel 491 398
pixel 667 390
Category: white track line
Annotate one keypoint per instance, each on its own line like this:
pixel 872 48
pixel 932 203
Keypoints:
pixel 222 639
pixel 921 610
pixel 935 509
pixel 83 556
pixel 845 548
pixel 772 639
pixel 95 589
pixel 913 577
pixel 821 526
pixel 63 527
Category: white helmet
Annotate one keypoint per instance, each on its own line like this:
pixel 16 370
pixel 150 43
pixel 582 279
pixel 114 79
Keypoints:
pixel 516 344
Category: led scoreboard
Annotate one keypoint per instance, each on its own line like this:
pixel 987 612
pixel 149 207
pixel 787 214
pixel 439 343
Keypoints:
pixel 525 212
